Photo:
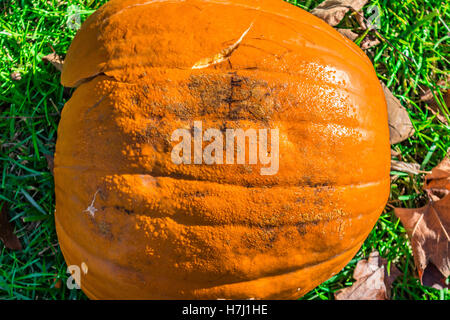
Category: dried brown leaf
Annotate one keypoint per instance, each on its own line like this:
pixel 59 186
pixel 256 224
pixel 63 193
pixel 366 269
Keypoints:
pixel 395 153
pixel 369 42
pixel 50 162
pixel 429 228
pixel 413 168
pixel 16 76
pixel 348 33
pixel 372 280
pixel 55 60
pixel 400 126
pixel 333 11
pixel 7 235
pixel 432 104
pixel 437 183
pixel 427 95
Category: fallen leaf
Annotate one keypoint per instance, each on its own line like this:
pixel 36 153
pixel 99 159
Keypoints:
pixel 372 280
pixel 55 60
pixel 7 235
pixel 413 168
pixel 361 20
pixel 16 76
pixel 400 126
pixel 50 162
pixel 429 227
pixel 369 42
pixel 437 183
pixel 427 95
pixel 395 153
pixel 348 33
pixel 431 103
pixel 333 11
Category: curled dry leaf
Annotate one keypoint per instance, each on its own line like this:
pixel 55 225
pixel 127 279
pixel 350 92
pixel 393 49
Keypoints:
pixel 372 280
pixel 369 42
pixel 429 227
pixel 432 105
pixel 400 126
pixel 395 153
pixel 50 162
pixel 348 33
pixel 437 183
pixel 7 235
pixel 55 60
pixel 333 11
pixel 413 168
pixel 16 76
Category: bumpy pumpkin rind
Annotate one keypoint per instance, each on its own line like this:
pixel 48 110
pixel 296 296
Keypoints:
pixel 148 228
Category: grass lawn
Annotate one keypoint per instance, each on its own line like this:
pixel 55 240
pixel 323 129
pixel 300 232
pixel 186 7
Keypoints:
pixel 30 112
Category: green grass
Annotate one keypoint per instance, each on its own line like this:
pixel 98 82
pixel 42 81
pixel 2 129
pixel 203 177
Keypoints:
pixel 29 115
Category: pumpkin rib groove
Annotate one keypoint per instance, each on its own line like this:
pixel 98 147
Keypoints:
pixel 187 220
pixel 234 69
pixel 210 224
pixel 110 72
pixel 299 184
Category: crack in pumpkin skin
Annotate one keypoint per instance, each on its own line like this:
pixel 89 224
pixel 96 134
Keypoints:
pixel 167 231
pixel 223 55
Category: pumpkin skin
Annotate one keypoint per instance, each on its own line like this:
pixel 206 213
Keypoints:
pixel 150 229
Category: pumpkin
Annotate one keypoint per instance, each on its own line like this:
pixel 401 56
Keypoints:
pixel 147 228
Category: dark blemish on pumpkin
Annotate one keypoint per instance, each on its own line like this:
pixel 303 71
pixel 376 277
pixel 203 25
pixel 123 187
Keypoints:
pixel 263 239
pixel 314 184
pixel 105 229
pixel 95 105
pixel 135 99
pixel 247 168
pixel 301 228
pixel 154 137
pixel 243 98
pixel 127 211
pixel 269 236
pixel 318 202
pixel 300 200
pixel 200 194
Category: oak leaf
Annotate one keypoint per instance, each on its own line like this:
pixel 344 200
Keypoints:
pixel 16 76
pixel 348 33
pixel 413 168
pixel 333 11
pixel 432 105
pixel 372 280
pixel 400 126
pixel 55 60
pixel 429 228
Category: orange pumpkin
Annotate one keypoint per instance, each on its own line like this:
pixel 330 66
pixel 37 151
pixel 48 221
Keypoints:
pixel 147 228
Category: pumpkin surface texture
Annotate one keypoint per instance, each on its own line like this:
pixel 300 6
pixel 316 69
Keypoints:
pixel 148 228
